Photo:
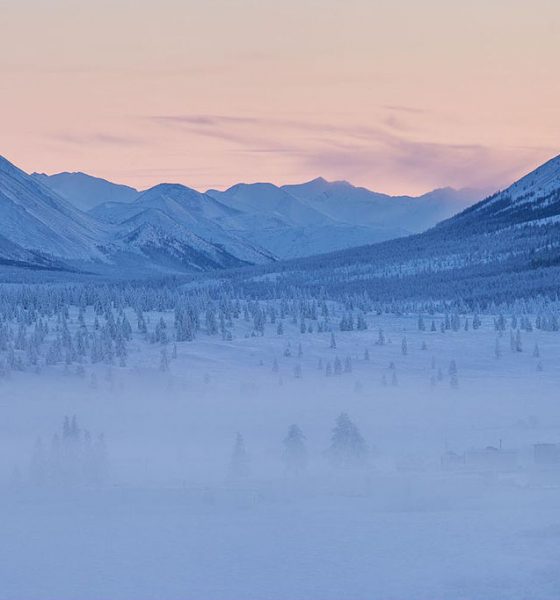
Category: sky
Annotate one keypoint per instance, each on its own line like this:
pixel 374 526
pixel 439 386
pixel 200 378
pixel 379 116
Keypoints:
pixel 398 96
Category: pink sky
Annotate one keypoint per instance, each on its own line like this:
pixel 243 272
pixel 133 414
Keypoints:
pixel 400 97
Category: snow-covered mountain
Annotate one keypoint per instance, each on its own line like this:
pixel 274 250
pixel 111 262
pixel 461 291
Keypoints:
pixel 507 245
pixel 320 216
pixel 533 200
pixel 164 230
pixel 35 218
pixel 174 227
pixel 183 213
pixel 86 192
pixel 344 203
pixel 270 203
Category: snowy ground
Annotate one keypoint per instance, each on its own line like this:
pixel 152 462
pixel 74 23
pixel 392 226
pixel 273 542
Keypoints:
pixel 170 523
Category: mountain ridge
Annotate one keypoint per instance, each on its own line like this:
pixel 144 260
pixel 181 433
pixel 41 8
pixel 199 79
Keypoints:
pixel 177 228
pixel 507 245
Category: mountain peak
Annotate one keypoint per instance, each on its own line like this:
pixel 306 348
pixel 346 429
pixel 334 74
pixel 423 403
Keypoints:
pixel 169 187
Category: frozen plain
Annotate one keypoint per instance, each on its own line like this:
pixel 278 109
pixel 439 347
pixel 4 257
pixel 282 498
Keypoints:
pixel 170 522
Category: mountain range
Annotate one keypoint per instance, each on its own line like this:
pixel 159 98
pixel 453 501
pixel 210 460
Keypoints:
pixel 72 221
pixel 79 222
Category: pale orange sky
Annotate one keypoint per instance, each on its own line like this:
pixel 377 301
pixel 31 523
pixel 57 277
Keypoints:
pixel 400 97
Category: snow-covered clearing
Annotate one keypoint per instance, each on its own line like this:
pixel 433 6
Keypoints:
pixel 172 520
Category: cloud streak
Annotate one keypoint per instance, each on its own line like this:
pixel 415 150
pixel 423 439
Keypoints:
pixel 97 139
pixel 359 153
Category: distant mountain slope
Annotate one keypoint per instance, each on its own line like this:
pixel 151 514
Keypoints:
pixel 321 216
pixel 506 246
pixel 173 227
pixel 35 218
pixel 86 192
pixel 179 212
pixel 271 203
pixel 165 230
pixel 13 255
pixel 344 203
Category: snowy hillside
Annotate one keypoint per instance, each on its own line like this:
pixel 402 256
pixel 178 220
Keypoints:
pixel 320 216
pixel 535 199
pixel 34 217
pixel 508 244
pixel 167 227
pixel 344 203
pixel 171 226
pixel 270 202
pixel 84 191
pixel 181 211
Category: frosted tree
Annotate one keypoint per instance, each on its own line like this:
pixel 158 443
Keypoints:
pixel 337 366
pixel 497 349
pixel 453 376
pixel 295 452
pixel 348 448
pixel 164 361
pixel 518 344
pixel 239 463
pixel 361 324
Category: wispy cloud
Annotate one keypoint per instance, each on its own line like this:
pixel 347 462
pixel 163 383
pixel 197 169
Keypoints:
pixel 97 139
pixel 388 152
pixel 405 109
